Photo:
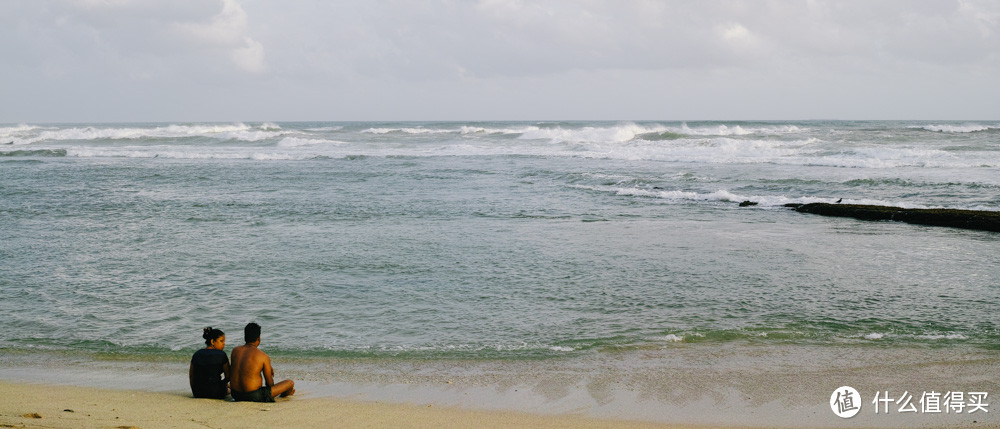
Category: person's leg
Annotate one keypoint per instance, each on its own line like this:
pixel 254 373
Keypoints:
pixel 283 388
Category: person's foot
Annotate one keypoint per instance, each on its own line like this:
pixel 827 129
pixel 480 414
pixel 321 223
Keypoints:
pixel 290 392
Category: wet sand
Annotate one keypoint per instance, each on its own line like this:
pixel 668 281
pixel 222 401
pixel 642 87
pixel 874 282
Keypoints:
pixel 786 387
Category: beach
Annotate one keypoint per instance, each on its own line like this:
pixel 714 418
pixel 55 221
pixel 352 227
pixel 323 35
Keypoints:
pixel 727 387
pixel 40 406
pixel 770 402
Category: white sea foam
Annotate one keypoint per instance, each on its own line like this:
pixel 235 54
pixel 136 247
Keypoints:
pixel 325 129
pixel 179 153
pixel 482 130
pixel 942 337
pixel 237 131
pixel 723 195
pixel 467 347
pixel 618 133
pixel 304 142
pixel 737 130
pixel 16 130
pixel 933 337
pixel 407 131
pixel 966 128
pixel 720 150
pixel 710 144
pixel 630 131
pixel 672 338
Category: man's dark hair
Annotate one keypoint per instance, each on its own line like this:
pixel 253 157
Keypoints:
pixel 252 332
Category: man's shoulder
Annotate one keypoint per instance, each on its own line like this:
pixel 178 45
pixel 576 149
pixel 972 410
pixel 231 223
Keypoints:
pixel 251 351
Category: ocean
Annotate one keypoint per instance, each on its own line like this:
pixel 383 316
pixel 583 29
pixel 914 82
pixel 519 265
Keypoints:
pixel 507 248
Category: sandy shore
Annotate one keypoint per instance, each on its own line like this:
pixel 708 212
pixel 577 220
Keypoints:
pixel 44 406
pixel 786 387
pixel 27 405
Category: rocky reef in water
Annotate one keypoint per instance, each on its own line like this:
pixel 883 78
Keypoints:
pixel 966 219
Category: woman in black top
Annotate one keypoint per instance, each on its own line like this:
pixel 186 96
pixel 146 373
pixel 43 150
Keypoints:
pixel 207 364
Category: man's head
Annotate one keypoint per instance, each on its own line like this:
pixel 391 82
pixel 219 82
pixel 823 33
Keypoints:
pixel 251 333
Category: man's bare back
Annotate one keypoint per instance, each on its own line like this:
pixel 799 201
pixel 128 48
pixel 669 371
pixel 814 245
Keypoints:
pixel 247 367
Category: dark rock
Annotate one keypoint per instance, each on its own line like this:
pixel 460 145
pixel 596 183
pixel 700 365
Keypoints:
pixel 747 203
pixel 966 219
pixel 793 205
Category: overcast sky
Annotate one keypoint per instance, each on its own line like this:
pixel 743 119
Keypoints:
pixel 258 60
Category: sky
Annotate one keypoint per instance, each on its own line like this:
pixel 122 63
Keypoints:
pixel 330 60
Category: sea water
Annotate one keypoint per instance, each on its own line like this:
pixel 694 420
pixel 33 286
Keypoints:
pixel 546 244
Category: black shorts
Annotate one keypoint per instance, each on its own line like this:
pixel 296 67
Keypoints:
pixel 214 391
pixel 260 395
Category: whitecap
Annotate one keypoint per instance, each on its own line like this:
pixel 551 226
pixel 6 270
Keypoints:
pixel 738 130
pixel 617 133
pixel 301 142
pixel 966 128
pixel 942 337
pixel 407 131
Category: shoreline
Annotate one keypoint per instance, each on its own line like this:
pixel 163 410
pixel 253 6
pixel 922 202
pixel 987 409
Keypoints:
pixel 45 406
pixel 683 387
pixel 31 405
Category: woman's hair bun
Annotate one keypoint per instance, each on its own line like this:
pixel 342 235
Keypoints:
pixel 211 334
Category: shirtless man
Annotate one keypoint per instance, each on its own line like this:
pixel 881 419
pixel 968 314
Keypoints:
pixel 248 362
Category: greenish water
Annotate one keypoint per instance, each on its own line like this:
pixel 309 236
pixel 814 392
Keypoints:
pixel 444 241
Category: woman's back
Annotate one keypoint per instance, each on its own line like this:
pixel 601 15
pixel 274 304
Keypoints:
pixel 209 371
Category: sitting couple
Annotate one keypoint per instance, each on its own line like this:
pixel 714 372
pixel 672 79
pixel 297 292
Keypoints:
pixel 243 376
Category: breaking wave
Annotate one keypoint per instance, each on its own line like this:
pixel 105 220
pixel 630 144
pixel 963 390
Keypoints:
pixel 304 142
pixel 806 144
pixel 965 128
pixel 239 131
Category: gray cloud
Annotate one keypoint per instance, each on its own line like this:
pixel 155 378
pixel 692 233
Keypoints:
pixel 506 59
pixel 132 39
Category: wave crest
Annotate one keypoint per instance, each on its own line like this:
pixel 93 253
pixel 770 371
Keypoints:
pixel 238 131
pixel 966 128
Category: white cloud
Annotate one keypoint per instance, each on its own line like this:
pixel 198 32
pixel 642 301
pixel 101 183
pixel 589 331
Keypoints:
pixel 227 30
pixel 250 57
